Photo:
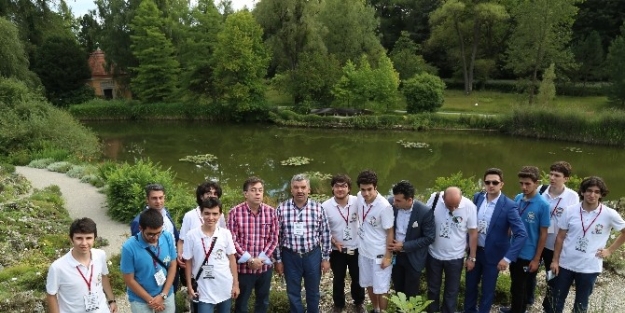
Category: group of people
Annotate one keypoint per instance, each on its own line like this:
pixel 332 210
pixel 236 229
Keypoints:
pixel 379 241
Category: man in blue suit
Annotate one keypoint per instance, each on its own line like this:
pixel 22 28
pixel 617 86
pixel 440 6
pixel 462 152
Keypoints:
pixel 414 232
pixel 496 215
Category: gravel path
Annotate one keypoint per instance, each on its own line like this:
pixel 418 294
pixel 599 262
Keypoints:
pixel 84 200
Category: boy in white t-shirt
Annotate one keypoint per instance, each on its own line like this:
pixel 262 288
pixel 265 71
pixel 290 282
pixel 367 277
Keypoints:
pixel 219 273
pixel 580 244
pixel 375 216
pixel 78 282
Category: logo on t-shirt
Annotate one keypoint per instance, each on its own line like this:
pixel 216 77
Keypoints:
pixel 559 211
pixel 598 229
pixel 219 254
pixel 373 221
pixel 353 217
pixel 531 217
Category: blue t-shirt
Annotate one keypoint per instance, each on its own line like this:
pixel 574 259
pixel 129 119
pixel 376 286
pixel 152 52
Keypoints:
pixel 534 214
pixel 135 259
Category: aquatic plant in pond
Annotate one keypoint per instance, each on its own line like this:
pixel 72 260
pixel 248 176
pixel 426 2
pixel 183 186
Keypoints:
pixel 296 161
pixel 199 159
pixel 410 144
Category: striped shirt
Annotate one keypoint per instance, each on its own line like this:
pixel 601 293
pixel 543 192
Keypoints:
pixel 253 234
pixel 316 230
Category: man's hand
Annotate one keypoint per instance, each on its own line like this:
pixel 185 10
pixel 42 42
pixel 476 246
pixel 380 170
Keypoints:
pixel 386 262
pixel 235 290
pixel 555 267
pixel 157 303
pixel 338 245
pixel 113 307
pixel 469 265
pixel 325 266
pixel 255 264
pixel 192 293
pixel 603 253
pixel 396 246
pixel 279 268
pixel 502 266
pixel 180 261
pixel 533 266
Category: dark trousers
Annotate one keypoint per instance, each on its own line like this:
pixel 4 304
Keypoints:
pixel 340 262
pixel 404 276
pixel 520 279
pixel 549 303
pixel 487 274
pixel 584 284
pixel 307 267
pixel 260 284
pixel 452 269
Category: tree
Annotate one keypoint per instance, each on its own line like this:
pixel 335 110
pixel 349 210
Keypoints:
pixel 590 56
pixel 240 64
pixel 406 60
pixel 424 93
pixel 13 59
pixel 386 82
pixel 616 69
pixel 157 71
pixel 61 64
pixel 89 32
pixel 541 36
pixel 462 23
pixel 601 16
pixel 347 89
pixel 351 30
pixel 547 88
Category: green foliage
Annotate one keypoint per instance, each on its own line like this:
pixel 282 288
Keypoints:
pixel 199 159
pixel 60 167
pixel 424 93
pixel 409 305
pixel 56 154
pixel 241 61
pixel 616 69
pixel 547 88
pixel 79 171
pixel 6 169
pixel 296 161
pixel 406 60
pixel 28 124
pixel 157 71
pixel 123 110
pixel 62 66
pixel 590 55
pixel 13 58
pixel 41 163
pixel 468 185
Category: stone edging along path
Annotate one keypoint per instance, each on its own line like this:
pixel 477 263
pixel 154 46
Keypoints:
pixel 81 200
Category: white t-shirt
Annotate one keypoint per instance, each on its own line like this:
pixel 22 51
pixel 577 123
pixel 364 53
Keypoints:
pixel 375 219
pixel 64 281
pixel 343 221
pixel 451 231
pixel 556 207
pixel 193 219
pixel 579 248
pixel 219 277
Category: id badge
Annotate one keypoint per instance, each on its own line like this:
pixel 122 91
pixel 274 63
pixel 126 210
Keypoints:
pixel 482 227
pixel 92 302
pixel 361 233
pixel 581 244
pixel 298 228
pixel 347 234
pixel 207 272
pixel 444 230
pixel 160 277
pixel 378 259
pixel 552 228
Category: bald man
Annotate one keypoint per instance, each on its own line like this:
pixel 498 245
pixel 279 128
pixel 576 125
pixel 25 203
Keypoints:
pixel 455 217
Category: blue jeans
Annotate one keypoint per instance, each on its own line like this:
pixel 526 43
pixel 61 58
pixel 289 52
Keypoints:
pixel 221 307
pixel 434 273
pixel 488 274
pixel 296 268
pixel 142 307
pixel 260 283
pixel 584 283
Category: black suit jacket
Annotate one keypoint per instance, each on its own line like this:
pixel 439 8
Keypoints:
pixel 419 235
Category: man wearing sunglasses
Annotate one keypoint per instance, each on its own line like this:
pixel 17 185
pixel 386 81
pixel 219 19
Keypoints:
pixel 496 215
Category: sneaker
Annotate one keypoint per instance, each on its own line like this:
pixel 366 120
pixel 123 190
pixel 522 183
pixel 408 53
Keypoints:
pixel 336 309
pixel 359 308
pixel 505 310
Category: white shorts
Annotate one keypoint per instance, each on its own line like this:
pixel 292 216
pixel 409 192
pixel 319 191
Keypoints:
pixel 372 275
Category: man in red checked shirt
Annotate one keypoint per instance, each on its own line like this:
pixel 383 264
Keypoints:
pixel 254 228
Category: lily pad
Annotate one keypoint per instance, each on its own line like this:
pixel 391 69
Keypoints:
pixel 414 145
pixel 319 175
pixel 296 161
pixel 572 149
pixel 199 159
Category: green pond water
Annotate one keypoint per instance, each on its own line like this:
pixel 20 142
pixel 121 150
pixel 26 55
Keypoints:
pixel 245 150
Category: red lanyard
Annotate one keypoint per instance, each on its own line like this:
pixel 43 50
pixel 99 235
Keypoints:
pixel 200 216
pixel 555 207
pixel 207 253
pixel 364 215
pixel 345 218
pixel 585 229
pixel 88 282
pixel 527 205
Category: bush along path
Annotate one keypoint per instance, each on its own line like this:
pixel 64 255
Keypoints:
pixel 84 200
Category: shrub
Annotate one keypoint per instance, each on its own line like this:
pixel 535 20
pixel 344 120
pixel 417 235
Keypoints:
pixel 424 93
pixel 468 185
pixel 60 167
pixel 40 163
pixel 6 169
pixel 93 179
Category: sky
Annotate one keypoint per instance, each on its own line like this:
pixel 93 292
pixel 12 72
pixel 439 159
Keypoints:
pixel 80 7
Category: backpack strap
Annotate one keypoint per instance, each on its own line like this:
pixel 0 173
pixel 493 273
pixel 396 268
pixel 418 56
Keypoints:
pixel 438 194
pixel 542 189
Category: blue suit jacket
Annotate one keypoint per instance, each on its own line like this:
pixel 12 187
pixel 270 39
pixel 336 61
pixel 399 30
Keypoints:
pixel 134 225
pixel 419 237
pixel 505 216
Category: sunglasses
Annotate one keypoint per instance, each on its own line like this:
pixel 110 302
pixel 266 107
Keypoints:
pixel 491 182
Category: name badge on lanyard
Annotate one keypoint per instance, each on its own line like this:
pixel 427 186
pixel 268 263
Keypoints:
pixel 298 228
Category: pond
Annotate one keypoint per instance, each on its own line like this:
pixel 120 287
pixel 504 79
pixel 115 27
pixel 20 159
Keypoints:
pixel 243 150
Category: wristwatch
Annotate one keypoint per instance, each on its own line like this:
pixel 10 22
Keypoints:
pixel 164 296
pixel 471 259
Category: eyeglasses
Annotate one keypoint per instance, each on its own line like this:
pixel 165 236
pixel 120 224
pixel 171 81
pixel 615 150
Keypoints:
pixel 491 182
pixel 153 235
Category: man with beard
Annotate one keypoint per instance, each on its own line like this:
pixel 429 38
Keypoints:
pixel 343 219
pixel 304 242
